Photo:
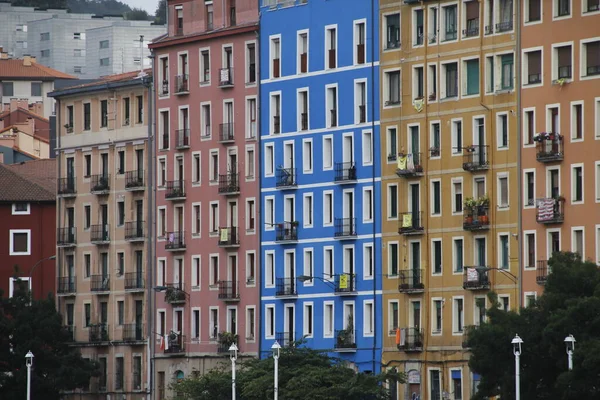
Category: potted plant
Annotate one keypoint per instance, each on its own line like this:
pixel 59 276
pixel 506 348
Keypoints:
pixel 483 204
pixel 469 204
pixel 434 151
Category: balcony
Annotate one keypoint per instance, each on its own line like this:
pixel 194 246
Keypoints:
pixel 175 190
pixel 100 234
pixel 286 178
pixel 229 184
pixel 286 339
pixel 175 293
pixel 345 228
pixel 229 290
pixel 229 237
pixel 98 333
pixel 100 283
pixel 182 84
pixel 99 184
pixel 345 340
pixel 550 211
pixel 183 139
pixel 226 133
pixel 409 165
pixel 175 241
pixel 477 218
pixel 542 272
pixel 411 281
pixel 475 158
pixel 410 340
pixel 411 223
pixel 175 343
pixel 476 278
pixel 286 232
pixel 66 237
pixel 133 333
pixel 67 187
pixel 134 231
pixel 66 285
pixel 345 172
pixel 134 180
pixel 134 281
pixel 345 284
pixel 504 26
pixel 226 78
pixel 286 287
pixel 549 147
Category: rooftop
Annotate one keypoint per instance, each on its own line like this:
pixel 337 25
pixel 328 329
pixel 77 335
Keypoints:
pixel 28 68
pixel 28 181
pixel 103 83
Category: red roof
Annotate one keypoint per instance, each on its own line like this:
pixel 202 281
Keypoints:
pixel 28 181
pixel 127 76
pixel 16 69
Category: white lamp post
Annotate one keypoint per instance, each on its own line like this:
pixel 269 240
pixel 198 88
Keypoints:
pixel 570 343
pixel 29 363
pixel 517 342
pixel 233 350
pixel 276 348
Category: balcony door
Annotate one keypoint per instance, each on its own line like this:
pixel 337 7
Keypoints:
pixel 179 221
pixel 289 325
pixel 415 315
pixel 414 204
pixel 104 313
pixel 138 267
pixel 70 169
pixel 479 141
pixel 138 319
pixel 139 217
pixel 232 212
pixel 288 155
pixel 104 266
pixel 348 322
pixel 180 171
pixel 104 220
pixel 415 262
pixel 290 269
pixel 480 256
pixel 348 150
pixel 70 269
pixel 139 156
pixel 104 165
pixel 349 261
pixel 232 164
pixel 232 274
pixel 414 145
pixel 178 273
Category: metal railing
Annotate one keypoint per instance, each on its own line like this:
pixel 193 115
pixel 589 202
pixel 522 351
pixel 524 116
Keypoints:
pixel 542 271
pixel 411 280
pixel 504 26
pixel 175 293
pixel 183 138
pixel 229 290
pixel 98 333
pixel 66 236
pixel 175 240
pixel 175 189
pixel 410 165
pixel 411 339
pixel 345 339
pixel 71 331
pixel 286 231
pixel 286 177
pixel 100 283
pixel 134 230
pixel 182 84
pixel 134 280
pixel 100 183
pixel 345 227
pixel 100 233
pixel 67 186
pixel 345 283
pixel 226 133
pixel 133 332
pixel 476 218
pixel 176 344
pixel 550 148
pixel 565 72
pixel 285 339
pixel 226 77
pixel 345 171
pixel 550 211
pixel 134 179
pixel 164 87
pixel 229 236
pixel 411 223
pixel 286 287
pixel 476 278
pixel 66 284
pixel 229 183
pixel 475 158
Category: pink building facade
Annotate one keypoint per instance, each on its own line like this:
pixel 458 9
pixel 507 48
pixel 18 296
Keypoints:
pixel 207 187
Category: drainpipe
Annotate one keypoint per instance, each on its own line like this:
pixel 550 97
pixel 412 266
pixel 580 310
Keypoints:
pixel 258 311
pixel 373 171
pixel 59 199
pixel 519 161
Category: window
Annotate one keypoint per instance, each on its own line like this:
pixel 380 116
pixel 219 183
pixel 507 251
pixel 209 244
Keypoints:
pixel 250 215
pixel 140 109
pixel 436 323
pixel 449 22
pixel 196 273
pixel 392 144
pixel 307 156
pixel 436 258
pixel 103 113
pixel 562 62
pixel 308 211
pixel 359 42
pixel 489 66
pixel 196 219
pixel 196 324
pixel 392 201
pixel 457 196
pixel 205 67
pixel 209 17
pixel 577 183
pixel 393 316
pixel 327 263
pixel 36 88
pixel 87 218
pixel 592 6
pixel 533 67
pixel 7 89
pixel 87 116
pixel 472 76
pixel 367 148
pixel 507 64
pixel 120 310
pixel 577 120
pixel 302 52
pixel 392 259
pixel 328 319
pixel 213 270
pixel 250 323
pixel 251 63
pixel 369 318
pixel 392 23
pixel 562 8
pixel 502 130
pixel 530 250
pixel 270 322
pixel 46 53
pixel 250 169
pixel 309 269
pixel 250 268
pixel 458 259
pixel 456 385
pixel 450 77
pixel 214 217
pixel 503 191
pixel 214 166
pixel 196 168
pixel 367 205
pixel 20 242
pixel 433 24
pixel 432 82
pixel 368 267
pixel 392 88
pixel 418 82
pixel 529 127
pixel 120 213
pixel 275 58
pixel 276 113
pixel 505 17
pixel 327 153
pixel 269 269
pixel 472 19
pixel 105 62
pixel 418 31
pixel 331 46
pixel 458 317
pixel 332 113
pixel 533 10
pixel 503 254
pixel 20 208
pixel 435 385
pixel 269 160
pixel 529 189
pixel 327 208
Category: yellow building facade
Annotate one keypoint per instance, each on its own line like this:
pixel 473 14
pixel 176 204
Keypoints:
pixel 449 184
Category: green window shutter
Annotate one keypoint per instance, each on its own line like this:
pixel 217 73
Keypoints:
pixel 507 71
pixel 472 77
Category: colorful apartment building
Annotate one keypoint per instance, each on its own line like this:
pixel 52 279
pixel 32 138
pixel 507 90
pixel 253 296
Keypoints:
pixel 560 113
pixel 102 237
pixel 320 175
pixel 449 184
pixel 207 187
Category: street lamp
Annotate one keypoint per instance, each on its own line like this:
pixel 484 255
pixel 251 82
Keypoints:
pixel 29 363
pixel 233 350
pixel 517 342
pixel 275 349
pixel 570 343
pixel 32 270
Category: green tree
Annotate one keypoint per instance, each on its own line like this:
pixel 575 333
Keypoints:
pixel 136 14
pixel 570 305
pixel 34 325
pixel 303 374
pixel 161 13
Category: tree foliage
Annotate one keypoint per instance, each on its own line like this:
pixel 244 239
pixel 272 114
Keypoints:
pixel 161 13
pixel 34 325
pixel 99 7
pixel 40 3
pixel 570 305
pixel 303 374
pixel 136 14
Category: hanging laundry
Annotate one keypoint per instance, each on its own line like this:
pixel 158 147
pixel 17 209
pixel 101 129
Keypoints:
pixel 402 162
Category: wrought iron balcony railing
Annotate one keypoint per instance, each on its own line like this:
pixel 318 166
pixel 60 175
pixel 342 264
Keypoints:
pixel 345 227
pixel 476 218
pixel 175 190
pixel 100 234
pixel 134 180
pixel 286 178
pixel 409 165
pixel 550 211
pixel 229 237
pixel 410 339
pixel 134 231
pixel 286 287
pixel 229 290
pixel 66 285
pixel 226 77
pixel 345 284
pixel 229 183
pixel 134 280
pixel 67 186
pixel 100 184
pixel 411 281
pixel 182 85
pixel 176 344
pixel 286 232
pixel 175 241
pixel 98 333
pixel 475 158
pixel 411 223
pixel 345 339
pixel 549 147
pixel 226 132
pixel 133 332
pixel 66 237
pixel 476 278
pixel 183 139
pixel 100 283
pixel 542 271
pixel 345 172
pixel 285 339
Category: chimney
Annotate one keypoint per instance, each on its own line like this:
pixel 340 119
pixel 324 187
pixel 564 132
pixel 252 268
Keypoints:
pixel 28 60
pixel 37 108
pixel 3 55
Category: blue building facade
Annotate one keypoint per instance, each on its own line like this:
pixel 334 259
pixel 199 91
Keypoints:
pixel 320 178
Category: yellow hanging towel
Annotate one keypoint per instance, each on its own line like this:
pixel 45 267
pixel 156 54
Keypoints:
pixel 402 162
pixel 407 220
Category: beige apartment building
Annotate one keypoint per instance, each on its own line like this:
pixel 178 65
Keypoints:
pixel 103 240
pixel 449 179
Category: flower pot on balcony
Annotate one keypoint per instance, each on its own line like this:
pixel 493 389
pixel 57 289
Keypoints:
pixel 469 219
pixel 483 219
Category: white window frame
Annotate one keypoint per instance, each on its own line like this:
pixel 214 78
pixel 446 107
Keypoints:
pixel 499 176
pixel 328 155
pixel 270 270
pixel 583 57
pixel 326 304
pixel 305 318
pixel 368 275
pixel 250 336
pixel 386 88
pixel 11 285
pixel 269 164
pixel 574 122
pixel 433 273
pixel 524 138
pixel 499 116
pixel 526 17
pixel 196 275
pixel 368 320
pixel 499 251
pixel 582 230
pixel 389 259
pixel 432 198
pixel 367 151
pixel 597 181
pixel 554 60
pixel 525 172
pixel 572 183
pixel 11 242
pixel 525 67
pixel 270 319
pixel 435 332
pixel 453 194
pixel 455 331
pixel 26 212
pixel 555 16
pixel 270 216
pixel 389 217
pixel 308 162
pixel 298 54
pixel 308 270
pixel 327 193
pixel 196 230
pixel 454 239
pixel 526 248
pixel 368 214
